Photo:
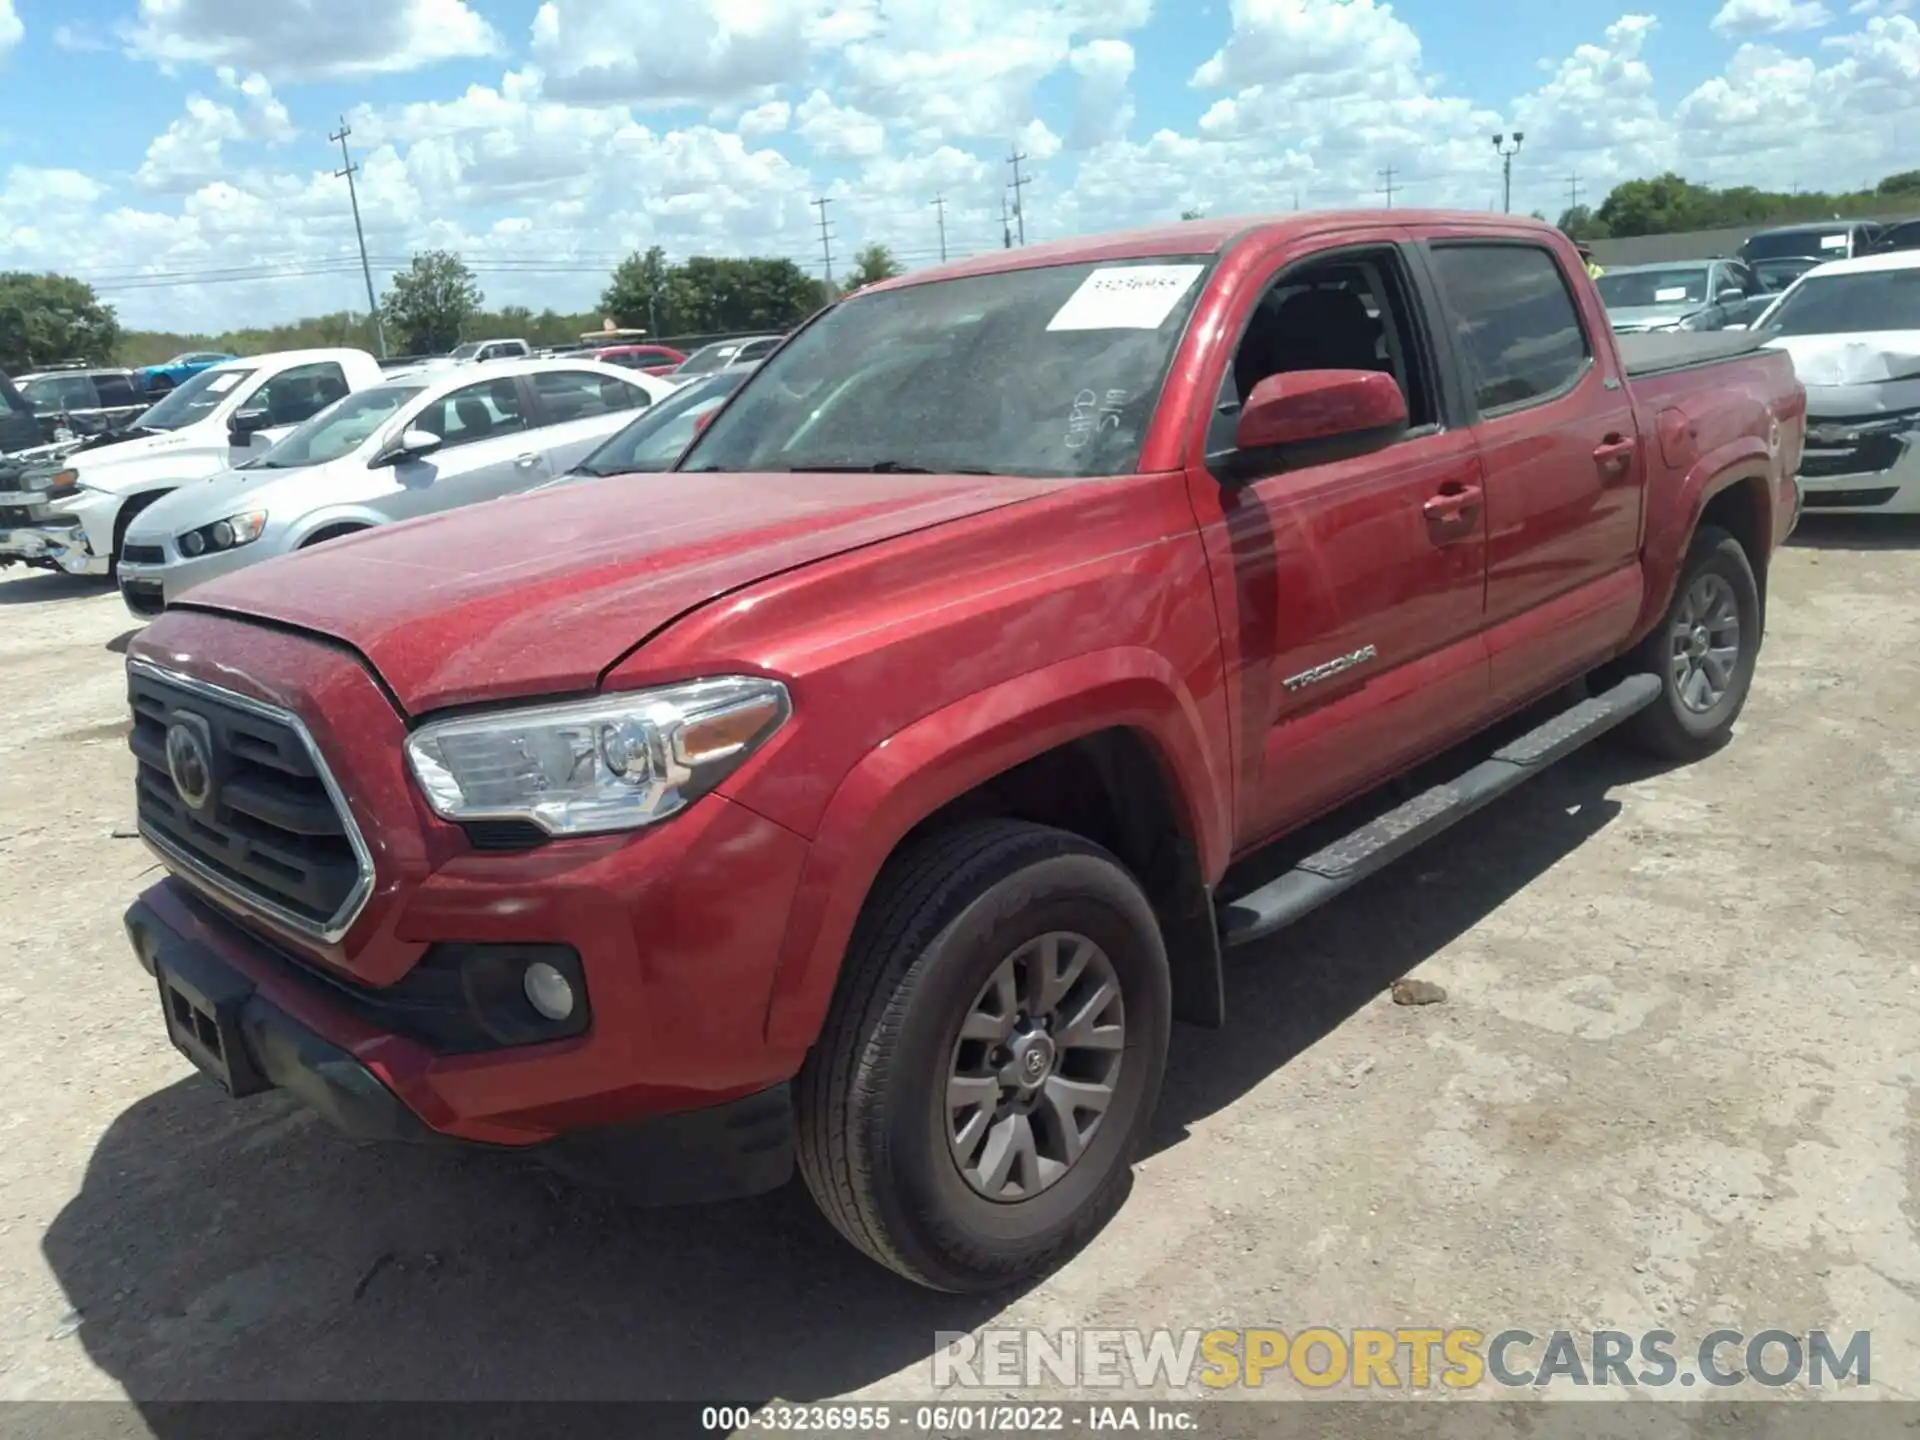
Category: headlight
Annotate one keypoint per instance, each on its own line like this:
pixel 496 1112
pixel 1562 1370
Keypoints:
pixel 63 485
pixel 587 767
pixel 241 529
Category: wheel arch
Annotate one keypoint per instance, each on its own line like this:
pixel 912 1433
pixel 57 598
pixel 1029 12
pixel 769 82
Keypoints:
pixel 1729 487
pixel 1109 746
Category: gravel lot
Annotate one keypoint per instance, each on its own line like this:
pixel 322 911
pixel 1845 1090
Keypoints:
pixel 1673 1085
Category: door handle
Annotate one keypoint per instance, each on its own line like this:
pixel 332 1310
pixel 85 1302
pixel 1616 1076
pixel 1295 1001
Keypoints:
pixel 525 460
pixel 1614 455
pixel 1454 504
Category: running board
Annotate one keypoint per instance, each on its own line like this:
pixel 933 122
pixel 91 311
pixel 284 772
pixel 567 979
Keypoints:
pixel 1374 846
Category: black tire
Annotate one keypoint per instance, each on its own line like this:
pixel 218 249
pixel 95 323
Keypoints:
pixel 1670 728
pixel 872 1118
pixel 335 532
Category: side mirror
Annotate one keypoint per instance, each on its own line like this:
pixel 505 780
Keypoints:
pixel 245 424
pixel 410 444
pixel 1733 296
pixel 1303 407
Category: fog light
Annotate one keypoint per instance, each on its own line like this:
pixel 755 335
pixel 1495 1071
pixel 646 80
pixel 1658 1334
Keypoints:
pixel 548 991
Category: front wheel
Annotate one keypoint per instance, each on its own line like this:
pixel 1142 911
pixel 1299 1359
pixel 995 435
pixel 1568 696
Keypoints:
pixel 992 1057
pixel 1704 650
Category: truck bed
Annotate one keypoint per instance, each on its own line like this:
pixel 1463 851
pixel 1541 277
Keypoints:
pixel 1661 351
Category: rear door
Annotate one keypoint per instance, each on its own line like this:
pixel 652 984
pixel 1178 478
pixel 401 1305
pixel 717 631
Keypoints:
pixel 1350 588
pixel 1563 459
pixel 578 409
pixel 487 449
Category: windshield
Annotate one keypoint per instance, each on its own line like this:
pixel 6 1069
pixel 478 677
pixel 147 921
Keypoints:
pixel 10 398
pixel 465 352
pixel 1045 372
pixel 1857 304
pixel 655 440
pixel 1630 289
pixel 340 429
pixel 1820 244
pixel 192 400
pixel 711 358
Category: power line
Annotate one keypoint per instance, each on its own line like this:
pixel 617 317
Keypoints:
pixel 1014 157
pixel 353 196
pixel 1573 191
pixel 1387 187
pixel 940 209
pixel 826 241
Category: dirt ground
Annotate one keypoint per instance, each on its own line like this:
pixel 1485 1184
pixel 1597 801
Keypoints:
pixel 1673 1085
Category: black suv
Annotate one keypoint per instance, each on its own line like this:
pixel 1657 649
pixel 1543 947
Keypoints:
pixel 82 400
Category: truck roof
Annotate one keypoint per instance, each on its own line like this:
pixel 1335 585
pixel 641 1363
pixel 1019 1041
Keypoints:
pixel 347 355
pixel 1209 236
pixel 1880 260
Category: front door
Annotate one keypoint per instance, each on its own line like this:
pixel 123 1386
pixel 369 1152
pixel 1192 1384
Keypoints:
pixel 1350 589
pixel 1563 458
pixel 488 448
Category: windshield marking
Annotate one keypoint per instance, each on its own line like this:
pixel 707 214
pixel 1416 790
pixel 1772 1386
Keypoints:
pixel 1125 297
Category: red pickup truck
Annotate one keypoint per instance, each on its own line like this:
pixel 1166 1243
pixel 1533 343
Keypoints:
pixel 869 793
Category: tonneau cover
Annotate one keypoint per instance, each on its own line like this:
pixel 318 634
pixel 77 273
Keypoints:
pixel 1656 351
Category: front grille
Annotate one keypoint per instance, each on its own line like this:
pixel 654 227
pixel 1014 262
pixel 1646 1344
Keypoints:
pixel 270 833
pixel 144 598
pixel 1867 456
pixel 143 554
pixel 1838 499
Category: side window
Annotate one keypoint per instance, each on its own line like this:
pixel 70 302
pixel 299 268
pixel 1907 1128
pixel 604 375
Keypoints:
pixel 1350 312
pixel 64 392
pixel 577 394
pixel 300 393
pixel 475 412
pixel 115 390
pixel 1517 321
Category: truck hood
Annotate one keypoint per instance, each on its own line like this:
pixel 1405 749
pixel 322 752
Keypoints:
pixel 539 594
pixel 1853 359
pixel 129 463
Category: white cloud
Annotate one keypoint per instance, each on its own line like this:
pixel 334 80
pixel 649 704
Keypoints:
pixel 189 154
pixel 835 131
pixel 768 119
pixel 1740 18
pixel 1880 7
pixel 1104 108
pixel 310 39
pixel 660 53
pixel 10 28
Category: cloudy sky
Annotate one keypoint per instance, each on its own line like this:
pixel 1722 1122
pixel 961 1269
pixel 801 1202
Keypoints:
pixel 175 152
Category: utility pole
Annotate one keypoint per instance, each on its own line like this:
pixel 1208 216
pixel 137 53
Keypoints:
pixel 1573 191
pixel 940 209
pixel 826 243
pixel 1506 166
pixel 1006 223
pixel 1014 157
pixel 353 196
pixel 1387 187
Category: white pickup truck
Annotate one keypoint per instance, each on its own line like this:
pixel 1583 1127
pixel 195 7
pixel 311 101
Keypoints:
pixel 75 518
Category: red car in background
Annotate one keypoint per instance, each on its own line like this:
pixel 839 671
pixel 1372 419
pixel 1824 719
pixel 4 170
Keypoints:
pixel 647 359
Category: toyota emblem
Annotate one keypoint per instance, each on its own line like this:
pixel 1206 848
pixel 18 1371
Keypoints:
pixel 190 760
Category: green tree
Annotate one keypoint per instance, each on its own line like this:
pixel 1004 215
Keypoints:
pixel 872 264
pixel 47 318
pixel 1579 223
pixel 1907 182
pixel 430 303
pixel 1192 215
pixel 712 296
pixel 640 293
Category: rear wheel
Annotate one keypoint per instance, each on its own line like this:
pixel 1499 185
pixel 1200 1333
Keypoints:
pixel 1704 650
pixel 992 1058
pixel 332 532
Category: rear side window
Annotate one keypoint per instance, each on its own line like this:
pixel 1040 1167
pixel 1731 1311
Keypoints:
pixel 577 394
pixel 1519 329
pixel 116 390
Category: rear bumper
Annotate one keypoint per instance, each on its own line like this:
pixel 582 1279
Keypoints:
pixel 225 1020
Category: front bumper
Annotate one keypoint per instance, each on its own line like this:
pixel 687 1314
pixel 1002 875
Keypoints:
pixel 1873 472
pixel 148 589
pixel 61 547
pixel 234 1022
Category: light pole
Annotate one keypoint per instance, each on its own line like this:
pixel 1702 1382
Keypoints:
pixel 1506 167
